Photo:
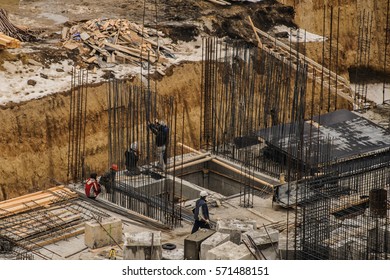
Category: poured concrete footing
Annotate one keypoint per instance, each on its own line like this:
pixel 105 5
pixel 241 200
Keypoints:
pixel 144 245
pixel 105 233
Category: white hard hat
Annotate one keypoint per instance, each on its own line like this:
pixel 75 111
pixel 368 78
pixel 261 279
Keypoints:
pixel 203 193
pixel 134 146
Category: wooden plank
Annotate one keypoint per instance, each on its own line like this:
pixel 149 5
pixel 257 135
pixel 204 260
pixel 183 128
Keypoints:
pixel 259 44
pixel 132 52
pixel 35 196
pixel 33 201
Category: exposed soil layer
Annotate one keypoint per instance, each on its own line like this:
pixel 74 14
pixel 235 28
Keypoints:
pixel 34 135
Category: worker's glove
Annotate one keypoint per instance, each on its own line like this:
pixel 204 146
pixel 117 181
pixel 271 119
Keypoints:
pixel 207 221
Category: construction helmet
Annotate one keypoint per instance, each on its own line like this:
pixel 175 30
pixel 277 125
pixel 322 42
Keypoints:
pixel 203 194
pixel 114 167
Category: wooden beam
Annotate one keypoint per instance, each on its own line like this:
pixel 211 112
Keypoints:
pixel 259 43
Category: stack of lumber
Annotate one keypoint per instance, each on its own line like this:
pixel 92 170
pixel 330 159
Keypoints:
pixel 12 30
pixel 7 42
pixel 113 40
pixel 35 200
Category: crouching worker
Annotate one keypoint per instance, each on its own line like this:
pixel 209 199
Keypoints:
pixel 108 178
pixel 92 187
pixel 201 213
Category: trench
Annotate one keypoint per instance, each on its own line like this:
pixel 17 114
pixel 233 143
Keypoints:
pixel 34 136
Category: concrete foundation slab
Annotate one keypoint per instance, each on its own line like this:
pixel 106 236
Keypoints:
pixel 212 242
pixel 107 232
pixel 144 245
pixel 229 251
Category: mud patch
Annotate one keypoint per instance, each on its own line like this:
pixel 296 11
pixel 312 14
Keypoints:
pixel 181 32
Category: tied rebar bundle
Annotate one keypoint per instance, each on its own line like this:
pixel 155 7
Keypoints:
pixel 13 31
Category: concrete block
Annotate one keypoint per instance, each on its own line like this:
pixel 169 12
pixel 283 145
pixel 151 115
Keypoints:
pixel 212 242
pixel 108 232
pixel 229 251
pixel 236 236
pixel 193 242
pixel 235 228
pixel 175 254
pixel 262 238
pixel 227 226
pixel 144 245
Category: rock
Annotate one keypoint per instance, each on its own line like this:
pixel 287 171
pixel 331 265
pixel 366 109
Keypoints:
pixel 283 34
pixel 35 63
pixel 60 70
pixel 44 76
pixel 31 82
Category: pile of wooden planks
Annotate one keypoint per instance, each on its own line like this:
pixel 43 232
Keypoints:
pixel 7 42
pixel 35 200
pixel 116 40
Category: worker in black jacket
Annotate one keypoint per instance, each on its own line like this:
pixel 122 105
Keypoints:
pixel 108 178
pixel 201 213
pixel 161 131
pixel 131 158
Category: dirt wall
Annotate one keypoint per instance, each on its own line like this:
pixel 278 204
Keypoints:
pixel 34 135
pixel 310 14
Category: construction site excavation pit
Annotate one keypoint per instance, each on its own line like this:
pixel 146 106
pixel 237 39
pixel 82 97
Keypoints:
pixel 280 112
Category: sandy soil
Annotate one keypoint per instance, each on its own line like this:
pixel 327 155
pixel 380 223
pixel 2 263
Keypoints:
pixel 34 135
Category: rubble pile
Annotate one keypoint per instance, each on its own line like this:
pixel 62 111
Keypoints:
pixel 103 41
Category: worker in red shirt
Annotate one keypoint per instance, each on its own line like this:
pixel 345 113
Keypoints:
pixel 92 187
